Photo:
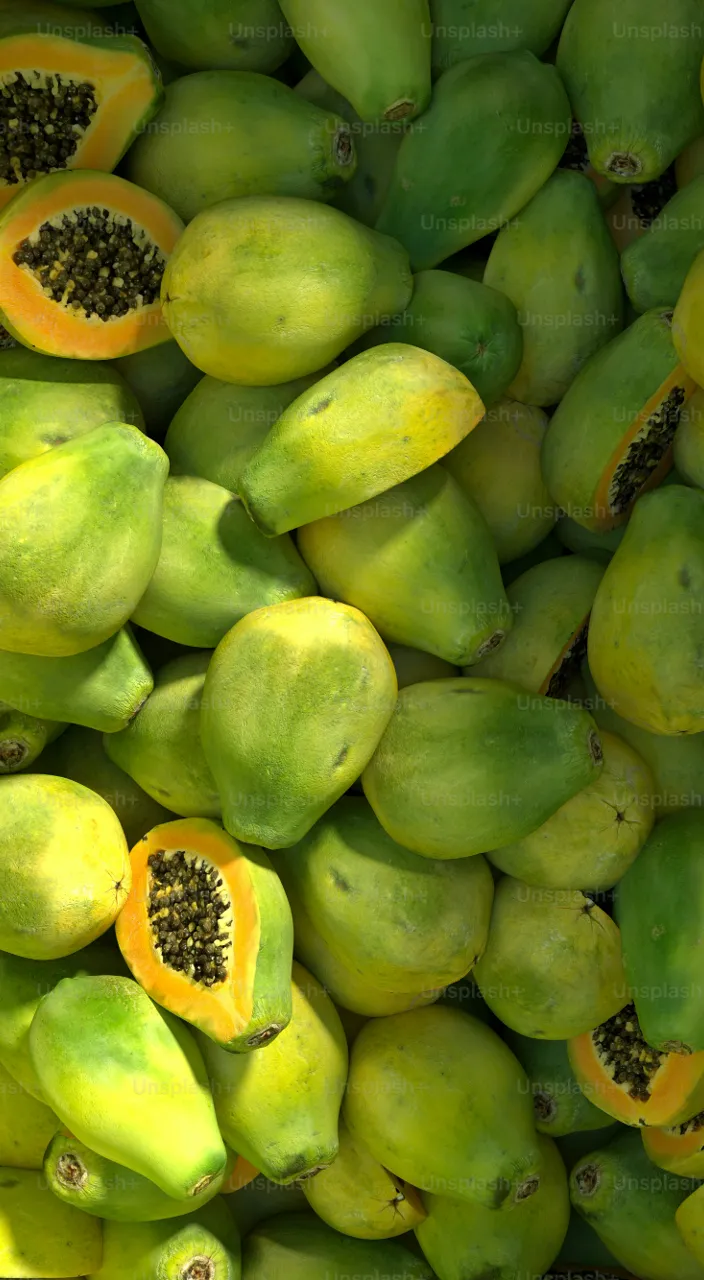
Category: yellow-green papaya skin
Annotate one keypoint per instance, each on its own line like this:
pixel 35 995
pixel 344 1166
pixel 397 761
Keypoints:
pixel 40 1236
pixel 347 870
pixel 262 1199
pixel 633 81
pixel 462 1140
pixel 161 378
pixel 161 748
pixel 45 401
pixel 690 162
pixel 688 447
pixel 254 37
pixel 214 566
pixel 360 1198
pixel 23 738
pixel 279 1109
pixel 164 1126
pixel 559 1104
pixel 414 665
pixel 655 266
pixel 322 279
pixel 307 468
pixel 64 866
pixel 395 558
pixel 68 583
pixel 689 1218
pixel 498 466
pixel 472 764
pixel 27 1126
pixel 298 1246
pixel 507 104
pixel 560 268
pixel 647 628
pixel 585 542
pixel 284 746
pixel 172 1248
pixel 464 28
pixel 688 321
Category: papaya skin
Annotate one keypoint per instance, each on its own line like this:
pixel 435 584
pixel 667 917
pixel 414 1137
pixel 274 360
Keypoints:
pixel 677 1151
pixel 656 265
pixel 298 1246
pixel 690 1222
pixel 161 378
pixel 690 162
pixel 41 1236
pixel 23 738
pixel 465 28
pixel 206 35
pixel 688 447
pixel 559 1104
pixel 360 1198
pixel 677 1088
pixel 27 1126
pixel 171 1248
pixel 688 321
pixel 414 665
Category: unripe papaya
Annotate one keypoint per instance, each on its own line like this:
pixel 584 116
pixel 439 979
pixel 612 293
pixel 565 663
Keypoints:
pixel 23 738
pixel 690 162
pixel 586 542
pixel 40 1236
pixel 413 665
pixel 252 36
pixel 161 377
pixel 360 1198
pixel 206 1241
pixel 688 446
pixel 655 266
pixel 298 1246
pixel 688 321
pixel 559 1104
pixel 27 1126
pixel 464 28
pixel 690 1224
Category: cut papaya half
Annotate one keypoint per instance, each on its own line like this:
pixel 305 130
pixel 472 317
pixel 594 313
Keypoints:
pixel 82 255
pixel 636 1084
pixel 72 94
pixel 678 1148
pixel 207 932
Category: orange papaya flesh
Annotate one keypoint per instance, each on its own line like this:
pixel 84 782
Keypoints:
pixel 56 238
pixel 678 1148
pixel 241 1176
pixel 230 973
pixel 636 1084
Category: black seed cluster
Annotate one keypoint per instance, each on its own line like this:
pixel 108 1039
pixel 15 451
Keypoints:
pixel 576 155
pixel 648 199
pixel 646 452
pixel 621 1045
pixel 41 124
pixel 6 340
pixel 570 664
pixel 187 903
pixel 693 1125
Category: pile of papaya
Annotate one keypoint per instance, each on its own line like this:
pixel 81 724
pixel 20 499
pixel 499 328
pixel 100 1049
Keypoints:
pixel 351 640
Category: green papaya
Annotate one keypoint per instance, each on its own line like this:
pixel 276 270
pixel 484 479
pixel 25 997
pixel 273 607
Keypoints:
pixel 464 28
pixel 632 75
pixel 161 747
pixel 413 665
pixel 298 1246
pixel 559 1104
pixel 322 279
pixel 465 995
pixel 27 1126
pixel 296 699
pixel 499 104
pixel 583 1255
pixel 279 1108
pixel 83 527
pixel 545 550
pixel 261 1199
pixel 23 738
pixel 560 269
pixel 469 765
pixel 688 447
pixel 471 326
pixel 45 401
pixel 307 467
pixel 646 629
pixel 498 466
pixel 690 1224
pixel 206 1243
pixel 360 1198
pixel 585 542
pixel 249 35
pixel 395 557
pixel 655 265
pixel 610 437
pixel 149 1108
pixel 40 1236
pixel 214 566
pixel 161 378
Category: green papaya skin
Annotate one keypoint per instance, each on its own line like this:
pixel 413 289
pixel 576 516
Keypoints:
pixel 298 1246
pixel 585 542
pixel 464 28
pixel 40 1236
pixel 413 665
pixel 23 738
pixel 173 1250
pixel 583 1255
pixel 559 1104
pixel 161 378
pixel 655 265
pixel 262 1199
pixel 688 446
pixel 508 115
pixel 559 266
pixel 547 549
pixel 249 35
pixel 27 1125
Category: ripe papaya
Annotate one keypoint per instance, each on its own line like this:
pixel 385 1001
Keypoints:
pixel 74 561
pixel 688 446
pixel 507 104
pixel 677 1148
pixel 464 28
pixel 161 378
pixel 205 1243
pixel 358 1197
pixel 322 279
pixel 280 1108
pixel 251 36
pixel 164 1125
pixel 688 321
pixel 560 1105
pixel 40 1236
pixel 656 265
pixel 283 747
pixel 646 627
pixel 413 665
pixel 469 765
pixel 23 738
pixel 498 466
pixel 560 269
pixel 395 558
pixel 298 1246
pixel 207 932
pixel 27 1126
pixel 689 1217
pixel 633 80
pixel 307 467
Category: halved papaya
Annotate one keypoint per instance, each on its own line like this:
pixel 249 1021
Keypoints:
pixel 678 1148
pixel 207 931
pixel 636 1084
pixel 74 94
pixel 82 255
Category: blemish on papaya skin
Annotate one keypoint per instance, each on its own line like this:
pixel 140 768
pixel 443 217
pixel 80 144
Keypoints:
pixel 339 881
pixel 341 756
pixel 684 578
pixel 322 404
pixel 579 280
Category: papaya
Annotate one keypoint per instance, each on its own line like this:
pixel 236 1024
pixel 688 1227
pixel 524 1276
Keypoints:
pixel 468 765
pixel 560 1105
pixel 23 738
pixel 413 665
pixel 284 746
pixel 161 749
pixel 633 81
pixel 395 558
pixel 77 214
pixel 631 1205
pixel 646 628
pixel 360 1198
pixel 40 1236
pixel 466 1241
pixel 636 209
pixel 688 445
pixel 280 1108
pixel 74 561
pixel 687 322
pixel 45 401
pixel 27 1126
pixel 690 1224
pixel 243 1175
pixel 656 265
pixel 347 870
pixel 547 549
pixel 471 326
pixel 251 35
pixel 149 1109
pixel 322 279
pixel 610 438
pixel 465 995
pixel 298 1246
pixel 583 1255
pixel 102 89
pixel 690 162
pixel 498 104
pixel 194 890
pixel 553 967
pixel 677 1148
pixel 262 1199
pixel 576 158
pixel 349 48
pixel 206 1243
pixel 560 270
pixel 464 28
pixel 307 467
pixel 593 839
pixel 214 566
pixel 161 379
pixel 585 542
pixel 498 466
pixel 550 605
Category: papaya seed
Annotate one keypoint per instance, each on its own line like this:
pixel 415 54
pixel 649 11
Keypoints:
pixel 690 1126
pixel 648 199
pixel 186 911
pixel 646 451
pixel 570 664
pixel 42 120
pixel 620 1045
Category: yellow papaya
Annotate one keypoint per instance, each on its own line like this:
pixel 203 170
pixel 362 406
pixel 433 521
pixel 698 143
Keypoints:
pixel 27 1126
pixel 40 1236
pixel 360 1198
